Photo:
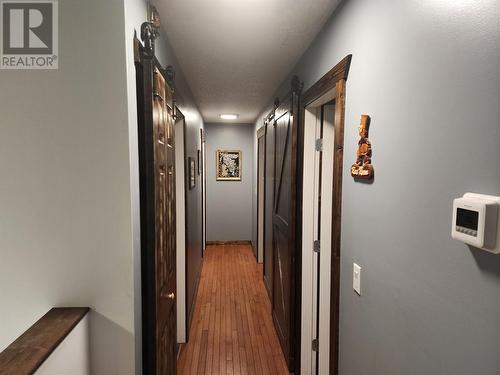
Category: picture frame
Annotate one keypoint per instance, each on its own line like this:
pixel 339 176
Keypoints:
pixel 228 165
pixel 192 173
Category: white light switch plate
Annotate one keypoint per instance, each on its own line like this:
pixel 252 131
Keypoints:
pixel 356 278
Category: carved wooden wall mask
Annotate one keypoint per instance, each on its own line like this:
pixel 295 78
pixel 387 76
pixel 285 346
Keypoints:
pixel 363 168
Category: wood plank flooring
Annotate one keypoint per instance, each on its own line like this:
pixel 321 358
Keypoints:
pixel 232 330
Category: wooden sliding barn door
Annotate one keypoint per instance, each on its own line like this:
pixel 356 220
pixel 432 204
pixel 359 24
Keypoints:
pixel 158 226
pixel 164 166
pixel 285 265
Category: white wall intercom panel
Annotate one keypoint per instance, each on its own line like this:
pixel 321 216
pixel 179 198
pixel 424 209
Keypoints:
pixel 476 221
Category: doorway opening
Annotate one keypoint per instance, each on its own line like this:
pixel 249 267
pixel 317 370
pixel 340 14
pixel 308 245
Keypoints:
pixel 299 206
pixel 323 108
pixel 319 137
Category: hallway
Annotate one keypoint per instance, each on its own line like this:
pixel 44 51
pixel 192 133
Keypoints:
pixel 167 165
pixel 232 330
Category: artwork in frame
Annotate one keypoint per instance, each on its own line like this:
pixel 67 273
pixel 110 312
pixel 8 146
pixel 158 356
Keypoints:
pixel 192 173
pixel 228 167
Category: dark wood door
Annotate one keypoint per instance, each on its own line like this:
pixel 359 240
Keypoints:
pixel 283 225
pixel 165 228
pixel 155 98
pixel 268 208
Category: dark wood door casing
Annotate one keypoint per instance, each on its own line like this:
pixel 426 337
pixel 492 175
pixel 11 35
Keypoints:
pixel 286 271
pixel 335 79
pixel 156 119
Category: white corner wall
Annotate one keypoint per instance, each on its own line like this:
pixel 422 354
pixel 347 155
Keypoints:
pixel 65 222
pixel 72 355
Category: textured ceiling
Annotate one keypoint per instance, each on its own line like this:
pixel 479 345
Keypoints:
pixel 235 53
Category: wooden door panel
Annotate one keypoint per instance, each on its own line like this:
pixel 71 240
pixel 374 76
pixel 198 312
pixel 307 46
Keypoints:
pixel 164 162
pixel 283 227
pixel 281 302
pixel 283 183
pixel 281 230
pixel 158 227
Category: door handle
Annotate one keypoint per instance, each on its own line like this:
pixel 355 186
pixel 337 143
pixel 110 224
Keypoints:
pixel 171 295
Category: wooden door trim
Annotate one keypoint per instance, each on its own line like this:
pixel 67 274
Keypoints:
pixel 327 82
pixel 261 132
pixel 268 121
pixel 335 80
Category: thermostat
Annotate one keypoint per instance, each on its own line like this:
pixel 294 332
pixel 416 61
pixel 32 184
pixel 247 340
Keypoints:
pixel 476 222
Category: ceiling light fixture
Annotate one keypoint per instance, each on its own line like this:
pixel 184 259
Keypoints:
pixel 228 116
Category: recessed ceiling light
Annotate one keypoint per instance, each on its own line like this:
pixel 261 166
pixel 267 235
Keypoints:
pixel 228 116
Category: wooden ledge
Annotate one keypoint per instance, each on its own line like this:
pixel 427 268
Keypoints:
pixel 34 346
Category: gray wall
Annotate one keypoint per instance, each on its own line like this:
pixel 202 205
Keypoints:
pixel 229 203
pixel 428 73
pixel 65 222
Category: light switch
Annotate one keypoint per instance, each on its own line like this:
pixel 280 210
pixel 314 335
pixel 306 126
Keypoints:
pixel 356 278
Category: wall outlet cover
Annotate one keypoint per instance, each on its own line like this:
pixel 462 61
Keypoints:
pixel 356 278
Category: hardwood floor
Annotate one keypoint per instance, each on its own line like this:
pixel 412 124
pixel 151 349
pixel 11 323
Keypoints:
pixel 232 330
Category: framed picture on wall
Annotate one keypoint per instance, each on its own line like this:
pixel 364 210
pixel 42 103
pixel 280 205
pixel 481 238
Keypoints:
pixel 228 165
pixel 192 173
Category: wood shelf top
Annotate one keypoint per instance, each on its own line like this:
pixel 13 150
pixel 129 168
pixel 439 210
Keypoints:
pixel 34 346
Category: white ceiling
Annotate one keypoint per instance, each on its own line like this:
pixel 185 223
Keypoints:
pixel 235 53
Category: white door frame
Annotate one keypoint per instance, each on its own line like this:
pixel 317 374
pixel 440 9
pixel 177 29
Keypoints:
pixel 311 272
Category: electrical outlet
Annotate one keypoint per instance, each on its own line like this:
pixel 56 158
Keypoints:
pixel 356 278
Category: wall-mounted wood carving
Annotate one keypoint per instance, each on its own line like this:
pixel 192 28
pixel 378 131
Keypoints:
pixel 363 168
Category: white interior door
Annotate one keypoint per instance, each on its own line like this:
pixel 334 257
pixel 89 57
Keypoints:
pixel 310 233
pixel 325 254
